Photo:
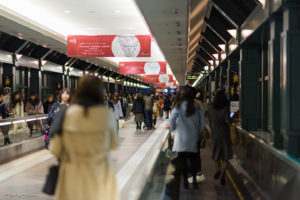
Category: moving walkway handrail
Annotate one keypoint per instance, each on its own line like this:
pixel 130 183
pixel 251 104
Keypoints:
pixel 282 155
pixel 10 121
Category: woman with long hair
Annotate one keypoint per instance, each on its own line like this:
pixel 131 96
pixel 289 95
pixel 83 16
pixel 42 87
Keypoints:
pixel 83 136
pixel 188 121
pixel 64 98
pixel 219 121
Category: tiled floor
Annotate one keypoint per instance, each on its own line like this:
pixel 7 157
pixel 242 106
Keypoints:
pixel 24 177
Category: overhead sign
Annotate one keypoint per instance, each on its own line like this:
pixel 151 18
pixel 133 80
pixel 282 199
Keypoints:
pixel 158 84
pixel 109 46
pixel 143 67
pixel 162 78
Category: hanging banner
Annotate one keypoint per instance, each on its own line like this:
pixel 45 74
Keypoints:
pixel 162 78
pixel 142 67
pixel 109 46
pixel 158 84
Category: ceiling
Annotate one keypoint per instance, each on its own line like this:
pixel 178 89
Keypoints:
pixel 48 23
pixel 168 21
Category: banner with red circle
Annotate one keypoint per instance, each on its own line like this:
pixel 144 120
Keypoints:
pixel 109 46
pixel 142 67
pixel 162 78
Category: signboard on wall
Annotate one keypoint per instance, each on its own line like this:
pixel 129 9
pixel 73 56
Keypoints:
pixel 109 46
pixel 143 67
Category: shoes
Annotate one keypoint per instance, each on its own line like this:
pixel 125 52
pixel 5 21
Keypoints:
pixel 222 180
pixel 199 178
pixel 217 175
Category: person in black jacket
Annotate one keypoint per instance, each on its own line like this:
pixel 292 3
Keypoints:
pixel 167 106
pixel 138 110
pixel 4 100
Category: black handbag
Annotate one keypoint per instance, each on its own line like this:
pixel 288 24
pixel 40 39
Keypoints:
pixel 51 180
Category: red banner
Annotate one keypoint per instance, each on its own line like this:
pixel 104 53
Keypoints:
pixel 109 46
pixel 162 78
pixel 158 84
pixel 142 67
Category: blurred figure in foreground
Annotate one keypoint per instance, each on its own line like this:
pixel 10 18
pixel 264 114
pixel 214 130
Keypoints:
pixel 83 136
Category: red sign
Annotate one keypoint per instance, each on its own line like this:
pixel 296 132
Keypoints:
pixel 158 84
pixel 109 46
pixel 142 67
pixel 162 78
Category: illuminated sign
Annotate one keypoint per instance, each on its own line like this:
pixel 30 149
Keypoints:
pixel 191 77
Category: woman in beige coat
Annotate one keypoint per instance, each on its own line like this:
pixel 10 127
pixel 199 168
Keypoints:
pixel 88 133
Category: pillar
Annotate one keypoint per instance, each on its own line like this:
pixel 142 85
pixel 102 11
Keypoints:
pixel 274 81
pixel 249 88
pixel 290 81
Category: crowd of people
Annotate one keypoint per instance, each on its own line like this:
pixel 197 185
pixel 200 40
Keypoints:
pixel 83 129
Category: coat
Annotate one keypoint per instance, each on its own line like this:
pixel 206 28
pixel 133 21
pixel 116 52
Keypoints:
pixel 155 110
pixel 187 129
pixel 167 104
pixel 219 121
pixel 148 102
pixel 118 110
pixel 83 150
pixel 34 110
pixel 138 106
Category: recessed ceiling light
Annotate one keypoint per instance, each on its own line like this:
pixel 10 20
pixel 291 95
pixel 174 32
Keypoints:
pixel 67 11
pixel 117 11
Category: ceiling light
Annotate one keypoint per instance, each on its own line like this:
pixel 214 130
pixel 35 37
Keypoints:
pixel 211 62
pixel 223 56
pixel 222 46
pixel 246 32
pixel 263 2
pixel 212 68
pixel 117 11
pixel 232 47
pixel 206 68
pixel 67 11
pixel 232 32
pixel 96 73
pixel 216 55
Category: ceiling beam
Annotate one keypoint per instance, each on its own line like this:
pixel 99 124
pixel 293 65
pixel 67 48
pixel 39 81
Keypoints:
pixel 224 14
pixel 210 44
pixel 209 26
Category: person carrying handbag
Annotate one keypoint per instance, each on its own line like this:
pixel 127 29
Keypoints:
pixel 89 133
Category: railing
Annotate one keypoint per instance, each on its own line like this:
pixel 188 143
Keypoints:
pixel 273 173
pixel 14 130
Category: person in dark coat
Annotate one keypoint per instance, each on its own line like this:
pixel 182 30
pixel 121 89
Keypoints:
pixel 219 120
pixel 4 100
pixel 138 110
pixel 167 106
pixel 48 103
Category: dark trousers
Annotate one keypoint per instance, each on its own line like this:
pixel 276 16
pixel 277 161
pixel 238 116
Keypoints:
pixel 154 120
pixel 138 125
pixel 198 159
pixel 185 158
pixel 148 118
